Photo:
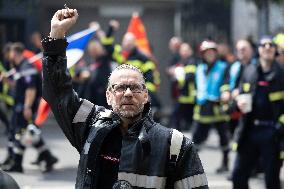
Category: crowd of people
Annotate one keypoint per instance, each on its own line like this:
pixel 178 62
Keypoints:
pixel 241 96
pixel 242 99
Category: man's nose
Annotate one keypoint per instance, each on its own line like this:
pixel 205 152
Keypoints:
pixel 128 92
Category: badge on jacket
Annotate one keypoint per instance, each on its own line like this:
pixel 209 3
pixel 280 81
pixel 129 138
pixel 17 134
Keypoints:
pixel 122 184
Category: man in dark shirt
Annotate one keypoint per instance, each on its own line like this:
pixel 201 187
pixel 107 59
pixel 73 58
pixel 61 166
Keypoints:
pixel 27 84
pixel 259 133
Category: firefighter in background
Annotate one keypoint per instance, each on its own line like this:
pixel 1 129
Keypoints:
pixel 35 40
pixel 27 84
pixel 184 73
pixel 6 99
pixel 100 50
pixel 174 47
pixel 231 87
pixel 261 132
pixel 224 53
pixel 9 101
pixel 279 40
pixel 280 51
pixel 210 75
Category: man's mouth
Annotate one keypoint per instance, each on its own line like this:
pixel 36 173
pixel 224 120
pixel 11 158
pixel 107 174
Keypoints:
pixel 127 104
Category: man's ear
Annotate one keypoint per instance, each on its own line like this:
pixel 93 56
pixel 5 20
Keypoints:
pixel 146 97
pixel 108 97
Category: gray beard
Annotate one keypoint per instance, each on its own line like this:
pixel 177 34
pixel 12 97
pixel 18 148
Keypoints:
pixel 126 113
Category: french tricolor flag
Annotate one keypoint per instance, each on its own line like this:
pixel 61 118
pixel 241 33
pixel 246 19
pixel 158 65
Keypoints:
pixel 77 44
pixel 75 49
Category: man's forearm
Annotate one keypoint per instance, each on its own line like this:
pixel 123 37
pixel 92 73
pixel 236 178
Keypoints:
pixel 30 95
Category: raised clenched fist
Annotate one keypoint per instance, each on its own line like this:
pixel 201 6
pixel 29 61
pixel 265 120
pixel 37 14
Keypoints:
pixel 62 21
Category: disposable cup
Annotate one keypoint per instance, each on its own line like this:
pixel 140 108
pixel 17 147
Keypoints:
pixel 246 100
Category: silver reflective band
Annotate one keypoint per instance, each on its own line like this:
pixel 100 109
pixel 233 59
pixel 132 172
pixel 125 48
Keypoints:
pixel 24 73
pixel 143 181
pixel 87 147
pixel 192 182
pixel 176 143
pixel 83 112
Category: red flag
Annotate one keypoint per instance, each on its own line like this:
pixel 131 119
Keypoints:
pixel 35 59
pixel 42 112
pixel 137 28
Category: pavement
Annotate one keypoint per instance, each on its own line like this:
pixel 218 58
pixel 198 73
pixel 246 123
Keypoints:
pixel 64 175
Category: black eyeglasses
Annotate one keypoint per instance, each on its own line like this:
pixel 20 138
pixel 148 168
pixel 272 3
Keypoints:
pixel 134 88
pixel 267 45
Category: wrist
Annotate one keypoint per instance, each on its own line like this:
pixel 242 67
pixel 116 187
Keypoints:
pixel 27 107
pixel 56 34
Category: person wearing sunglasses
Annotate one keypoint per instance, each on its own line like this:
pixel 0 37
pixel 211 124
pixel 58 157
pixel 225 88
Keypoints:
pixel 121 147
pixel 261 129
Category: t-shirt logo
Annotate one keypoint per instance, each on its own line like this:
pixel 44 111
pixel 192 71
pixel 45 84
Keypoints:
pixel 28 79
pixel 122 184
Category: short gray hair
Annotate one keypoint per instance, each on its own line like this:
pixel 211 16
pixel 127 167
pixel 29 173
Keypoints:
pixel 125 67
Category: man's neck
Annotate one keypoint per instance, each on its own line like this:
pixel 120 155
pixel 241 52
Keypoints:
pixel 127 122
pixel 265 65
pixel 245 61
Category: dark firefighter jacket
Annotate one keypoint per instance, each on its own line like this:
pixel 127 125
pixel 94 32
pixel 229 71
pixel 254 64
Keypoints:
pixel 148 150
pixel 248 84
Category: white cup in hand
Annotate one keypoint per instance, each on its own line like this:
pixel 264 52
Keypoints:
pixel 245 102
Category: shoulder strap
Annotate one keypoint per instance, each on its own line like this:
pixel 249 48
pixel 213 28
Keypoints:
pixel 176 142
pixel 175 148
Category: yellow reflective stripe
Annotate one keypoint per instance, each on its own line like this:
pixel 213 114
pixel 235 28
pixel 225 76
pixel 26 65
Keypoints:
pixel 191 97
pixel 186 99
pixel 281 155
pixel 216 110
pixel 246 87
pixel 196 109
pixel 7 99
pixel 156 76
pixel 136 63
pixel 210 118
pixel 181 82
pixel 149 65
pixel 151 87
pixel 107 40
pixel 234 146
pixel 190 69
pixel 281 118
pixel 274 96
pixel 225 87
pixel 2 69
pixel 72 71
pixel 5 88
pixel 117 56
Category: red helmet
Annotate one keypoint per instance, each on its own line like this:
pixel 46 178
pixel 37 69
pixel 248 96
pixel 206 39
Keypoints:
pixel 205 45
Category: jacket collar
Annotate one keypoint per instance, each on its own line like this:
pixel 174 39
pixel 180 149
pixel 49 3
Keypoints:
pixel 273 72
pixel 146 120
